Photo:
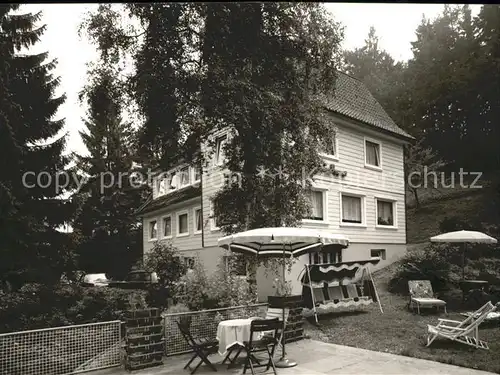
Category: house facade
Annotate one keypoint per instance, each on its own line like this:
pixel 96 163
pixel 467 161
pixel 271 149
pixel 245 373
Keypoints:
pixel 363 197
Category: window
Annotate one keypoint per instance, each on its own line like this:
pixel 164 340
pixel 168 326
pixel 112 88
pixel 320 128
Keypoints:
pixel 352 209
pixel 316 199
pixel 164 182
pixel 236 265
pixel 332 256
pixel 385 213
pixel 182 224
pixel 213 219
pixel 378 253
pixel 189 262
pixel 328 145
pixel 167 226
pixel 219 150
pixel 196 174
pixel 198 220
pixel 153 230
pixel 372 154
pixel 184 177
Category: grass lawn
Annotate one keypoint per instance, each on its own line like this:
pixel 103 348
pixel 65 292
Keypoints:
pixel 399 331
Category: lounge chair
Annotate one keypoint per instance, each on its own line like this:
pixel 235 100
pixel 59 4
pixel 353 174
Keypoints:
pixel 422 295
pixel 465 332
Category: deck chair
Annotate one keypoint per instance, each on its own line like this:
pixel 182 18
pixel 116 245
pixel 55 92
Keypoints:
pixel 262 343
pixel 202 348
pixel 319 296
pixel 465 332
pixel 335 294
pixel 352 292
pixel 422 295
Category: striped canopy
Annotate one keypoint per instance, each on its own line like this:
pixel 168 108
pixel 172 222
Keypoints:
pixel 291 241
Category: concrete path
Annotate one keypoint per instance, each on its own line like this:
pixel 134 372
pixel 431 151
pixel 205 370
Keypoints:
pixel 319 358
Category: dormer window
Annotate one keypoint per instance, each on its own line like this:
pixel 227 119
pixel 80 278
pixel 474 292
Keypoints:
pixel 164 182
pixel 184 177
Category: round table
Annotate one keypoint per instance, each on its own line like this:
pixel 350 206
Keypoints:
pixel 233 332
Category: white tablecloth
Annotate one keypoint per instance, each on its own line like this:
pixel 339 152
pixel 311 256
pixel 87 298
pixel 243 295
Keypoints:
pixel 231 332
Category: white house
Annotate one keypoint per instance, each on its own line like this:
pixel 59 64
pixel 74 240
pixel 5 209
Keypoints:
pixel 365 200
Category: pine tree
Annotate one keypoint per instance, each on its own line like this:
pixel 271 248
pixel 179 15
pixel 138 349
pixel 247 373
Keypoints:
pixel 111 235
pixel 31 248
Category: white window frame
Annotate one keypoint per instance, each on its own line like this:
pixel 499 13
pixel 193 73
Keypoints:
pixel 321 255
pixel 195 231
pixel 185 260
pixel 149 230
pixel 180 213
pixel 363 209
pixel 164 236
pixel 227 268
pixel 334 157
pixel 193 175
pixel 189 173
pixel 216 160
pixel 213 227
pixel 369 166
pixel 384 254
pixel 394 213
pixel 324 191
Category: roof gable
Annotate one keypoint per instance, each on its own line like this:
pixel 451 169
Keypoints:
pixel 353 99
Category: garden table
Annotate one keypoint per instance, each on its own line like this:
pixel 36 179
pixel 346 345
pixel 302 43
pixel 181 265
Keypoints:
pixel 233 332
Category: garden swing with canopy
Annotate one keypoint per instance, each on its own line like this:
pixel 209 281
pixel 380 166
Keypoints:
pixel 339 285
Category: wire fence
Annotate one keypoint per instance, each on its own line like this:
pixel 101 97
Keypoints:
pixel 204 324
pixel 61 350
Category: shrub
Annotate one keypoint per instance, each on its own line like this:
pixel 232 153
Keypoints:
pixel 228 289
pixel 431 263
pixel 193 289
pixel 36 306
pixel 222 289
pixel 165 261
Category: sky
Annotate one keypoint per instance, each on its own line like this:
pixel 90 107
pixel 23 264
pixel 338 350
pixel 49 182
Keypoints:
pixel 395 25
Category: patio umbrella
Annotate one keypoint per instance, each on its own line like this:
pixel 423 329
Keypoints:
pixel 464 236
pixel 281 242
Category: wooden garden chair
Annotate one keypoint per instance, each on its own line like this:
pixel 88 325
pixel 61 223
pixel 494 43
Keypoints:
pixel 465 332
pixel 202 348
pixel 422 295
pixel 259 343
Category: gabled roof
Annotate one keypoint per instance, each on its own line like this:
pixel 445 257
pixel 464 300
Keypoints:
pixel 175 197
pixel 353 99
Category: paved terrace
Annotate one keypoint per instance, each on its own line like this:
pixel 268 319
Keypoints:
pixel 318 358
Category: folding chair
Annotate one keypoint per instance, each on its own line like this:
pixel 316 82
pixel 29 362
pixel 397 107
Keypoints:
pixel 272 313
pixel 465 332
pixel 202 348
pixel 264 343
pixel 421 294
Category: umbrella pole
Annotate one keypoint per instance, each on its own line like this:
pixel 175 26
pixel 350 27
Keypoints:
pixel 284 362
pixel 463 261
